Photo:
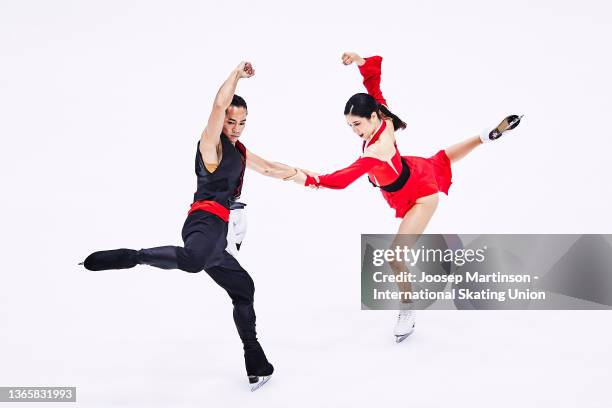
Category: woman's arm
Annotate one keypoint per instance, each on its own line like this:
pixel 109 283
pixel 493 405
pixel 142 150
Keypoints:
pixel 342 178
pixel 268 168
pixel 370 69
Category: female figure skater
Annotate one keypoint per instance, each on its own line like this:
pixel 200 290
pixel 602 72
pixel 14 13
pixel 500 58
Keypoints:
pixel 409 184
pixel 220 163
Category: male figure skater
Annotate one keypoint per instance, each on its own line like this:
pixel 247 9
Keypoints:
pixel 220 164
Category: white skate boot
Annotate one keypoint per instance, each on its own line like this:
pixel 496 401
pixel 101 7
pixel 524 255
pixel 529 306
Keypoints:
pixel 404 326
pixel 506 125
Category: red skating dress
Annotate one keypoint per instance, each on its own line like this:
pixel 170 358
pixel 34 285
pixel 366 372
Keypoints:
pixel 402 179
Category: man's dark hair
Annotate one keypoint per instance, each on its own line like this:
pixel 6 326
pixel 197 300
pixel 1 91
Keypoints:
pixel 238 102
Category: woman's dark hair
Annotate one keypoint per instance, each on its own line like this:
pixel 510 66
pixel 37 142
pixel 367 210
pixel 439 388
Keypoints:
pixel 238 102
pixel 363 105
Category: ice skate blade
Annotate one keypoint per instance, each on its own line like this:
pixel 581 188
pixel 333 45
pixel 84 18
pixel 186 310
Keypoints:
pixel 401 337
pixel 512 122
pixel 258 381
pixel 516 119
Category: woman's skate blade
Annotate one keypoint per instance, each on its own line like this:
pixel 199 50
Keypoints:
pixel 402 337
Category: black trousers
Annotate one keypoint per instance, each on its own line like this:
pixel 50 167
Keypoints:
pixel 204 237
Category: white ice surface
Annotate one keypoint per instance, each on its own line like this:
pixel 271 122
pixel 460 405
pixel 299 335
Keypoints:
pixel 101 107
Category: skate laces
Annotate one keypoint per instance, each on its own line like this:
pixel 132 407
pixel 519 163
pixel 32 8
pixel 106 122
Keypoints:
pixel 404 315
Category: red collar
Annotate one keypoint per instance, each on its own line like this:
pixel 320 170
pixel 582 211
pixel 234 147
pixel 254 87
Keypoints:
pixel 376 135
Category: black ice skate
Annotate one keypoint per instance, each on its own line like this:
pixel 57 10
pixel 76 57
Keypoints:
pixel 259 370
pixel 509 123
pixel 113 259
pixel 257 381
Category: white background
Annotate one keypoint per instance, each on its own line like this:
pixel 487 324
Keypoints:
pixel 102 104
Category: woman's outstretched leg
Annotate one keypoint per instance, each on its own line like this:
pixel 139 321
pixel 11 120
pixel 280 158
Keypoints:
pixel 459 150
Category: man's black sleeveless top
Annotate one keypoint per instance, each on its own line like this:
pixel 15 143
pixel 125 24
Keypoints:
pixel 225 183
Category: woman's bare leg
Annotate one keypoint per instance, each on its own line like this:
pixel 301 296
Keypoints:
pixel 412 226
pixel 458 151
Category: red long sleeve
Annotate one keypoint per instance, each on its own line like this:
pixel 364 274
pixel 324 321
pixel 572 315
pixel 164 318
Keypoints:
pixel 371 72
pixel 342 178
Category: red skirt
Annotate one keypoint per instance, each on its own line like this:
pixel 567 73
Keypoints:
pixel 427 176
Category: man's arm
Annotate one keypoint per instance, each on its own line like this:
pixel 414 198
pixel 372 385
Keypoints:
pixel 211 134
pixel 268 168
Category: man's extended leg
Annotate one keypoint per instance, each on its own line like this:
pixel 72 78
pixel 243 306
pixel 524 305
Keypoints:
pixel 204 244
